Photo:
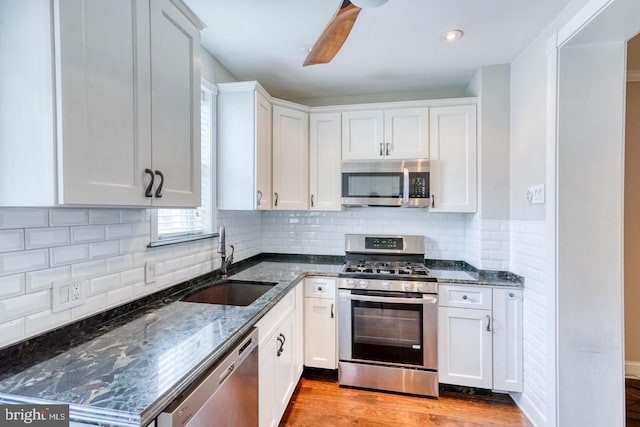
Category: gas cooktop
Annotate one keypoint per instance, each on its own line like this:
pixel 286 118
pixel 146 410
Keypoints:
pixel 393 270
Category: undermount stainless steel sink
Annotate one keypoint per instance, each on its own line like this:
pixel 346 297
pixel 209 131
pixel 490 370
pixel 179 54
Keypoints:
pixel 230 292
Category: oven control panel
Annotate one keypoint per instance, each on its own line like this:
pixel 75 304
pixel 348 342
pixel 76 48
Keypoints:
pixel 383 243
pixel 390 285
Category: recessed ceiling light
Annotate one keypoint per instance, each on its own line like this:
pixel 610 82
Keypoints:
pixel 453 35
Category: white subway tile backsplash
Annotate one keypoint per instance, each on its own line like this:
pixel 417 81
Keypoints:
pixel 11 240
pixel 23 261
pixel 36 238
pixel 66 216
pixel 119 296
pixel 133 215
pixel 89 269
pixel 91 306
pixel 42 279
pixel 11 332
pixel 69 254
pixel 87 234
pixel 23 218
pixel 104 284
pixel 40 322
pixel 104 249
pixel 104 216
pixel 113 266
pixel 11 286
pixel 119 263
pixel 23 305
pixel 118 231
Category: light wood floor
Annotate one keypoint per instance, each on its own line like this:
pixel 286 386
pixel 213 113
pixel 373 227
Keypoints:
pixel 324 404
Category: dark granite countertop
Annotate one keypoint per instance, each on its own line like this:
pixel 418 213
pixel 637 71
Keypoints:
pixel 127 375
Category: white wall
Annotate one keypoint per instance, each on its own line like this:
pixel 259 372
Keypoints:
pixel 105 246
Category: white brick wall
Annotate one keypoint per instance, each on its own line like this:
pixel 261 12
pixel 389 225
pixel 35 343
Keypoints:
pixel 323 232
pixel 527 258
pixel 105 246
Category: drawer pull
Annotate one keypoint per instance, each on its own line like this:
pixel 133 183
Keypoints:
pixel 464 297
pixel 511 294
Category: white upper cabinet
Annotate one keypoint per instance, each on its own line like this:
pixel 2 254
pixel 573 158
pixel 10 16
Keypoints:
pixel 325 179
pixel 244 147
pixel 290 159
pixel 118 94
pixel 453 180
pixel 397 133
pixel 175 105
pixel 362 135
pixel 406 133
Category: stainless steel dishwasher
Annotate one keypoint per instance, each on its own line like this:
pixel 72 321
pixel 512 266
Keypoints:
pixel 228 396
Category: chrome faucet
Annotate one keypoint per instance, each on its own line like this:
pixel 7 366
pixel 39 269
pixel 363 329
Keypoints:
pixel 222 250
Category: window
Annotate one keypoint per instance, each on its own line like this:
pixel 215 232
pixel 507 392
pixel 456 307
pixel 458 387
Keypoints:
pixel 178 225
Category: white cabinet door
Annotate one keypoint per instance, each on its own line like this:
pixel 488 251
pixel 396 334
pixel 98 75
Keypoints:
pixel 464 347
pixel 325 133
pixel 319 333
pixel 290 159
pixel 263 125
pixel 284 372
pixel 507 340
pixel 175 105
pixel 362 135
pixel 452 150
pixel 103 92
pixel 406 133
pixel 266 408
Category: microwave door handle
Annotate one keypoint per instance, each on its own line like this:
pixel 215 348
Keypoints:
pixel 405 189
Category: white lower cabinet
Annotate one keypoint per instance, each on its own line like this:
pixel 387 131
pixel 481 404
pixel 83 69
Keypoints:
pixel 320 323
pixel 280 348
pixel 480 337
pixel 464 347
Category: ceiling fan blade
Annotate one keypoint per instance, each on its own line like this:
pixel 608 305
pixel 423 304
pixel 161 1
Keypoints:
pixel 334 34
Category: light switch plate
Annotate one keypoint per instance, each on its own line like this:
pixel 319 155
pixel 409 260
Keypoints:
pixel 149 272
pixel 535 194
pixel 68 293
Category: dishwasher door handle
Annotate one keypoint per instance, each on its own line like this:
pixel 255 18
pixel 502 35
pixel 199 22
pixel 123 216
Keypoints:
pixel 226 373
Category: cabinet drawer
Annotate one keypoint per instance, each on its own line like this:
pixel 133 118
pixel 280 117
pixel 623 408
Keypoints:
pixel 268 324
pixel 465 297
pixel 320 287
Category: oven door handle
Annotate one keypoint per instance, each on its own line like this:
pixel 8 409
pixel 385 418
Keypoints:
pixel 366 298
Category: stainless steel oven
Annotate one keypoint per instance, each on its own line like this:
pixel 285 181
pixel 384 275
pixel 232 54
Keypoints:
pixel 387 316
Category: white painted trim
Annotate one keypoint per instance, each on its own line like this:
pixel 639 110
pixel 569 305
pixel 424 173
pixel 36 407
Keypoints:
pixel 445 102
pixel 530 410
pixel 552 232
pixel 633 76
pixel 581 19
pixel 632 369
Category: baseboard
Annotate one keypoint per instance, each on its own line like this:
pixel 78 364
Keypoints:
pixel 631 369
pixel 530 410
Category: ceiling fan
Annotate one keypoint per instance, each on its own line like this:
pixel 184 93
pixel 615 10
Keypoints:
pixel 337 30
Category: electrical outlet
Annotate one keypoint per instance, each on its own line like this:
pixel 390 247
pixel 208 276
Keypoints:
pixel 66 294
pixel 76 291
pixel 149 272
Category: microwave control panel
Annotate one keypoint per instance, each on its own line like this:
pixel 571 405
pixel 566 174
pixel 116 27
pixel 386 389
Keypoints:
pixel 419 185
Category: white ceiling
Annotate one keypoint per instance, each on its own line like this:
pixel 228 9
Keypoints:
pixel 396 47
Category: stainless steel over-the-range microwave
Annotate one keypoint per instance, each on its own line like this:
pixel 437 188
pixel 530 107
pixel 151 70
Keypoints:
pixel 386 183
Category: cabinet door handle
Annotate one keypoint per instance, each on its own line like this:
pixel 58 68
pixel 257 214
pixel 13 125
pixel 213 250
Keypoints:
pixel 312 202
pixel 275 203
pixel 284 339
pixel 433 200
pixel 147 192
pixel 388 147
pixel 488 323
pixel 259 197
pixel 381 148
pixel 281 348
pixel 332 311
pixel 511 294
pixel 159 189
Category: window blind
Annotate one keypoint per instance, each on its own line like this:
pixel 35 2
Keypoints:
pixel 180 223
